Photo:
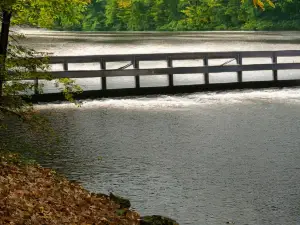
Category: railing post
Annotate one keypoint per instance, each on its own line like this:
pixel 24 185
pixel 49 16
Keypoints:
pixel 136 65
pixel 275 72
pixel 103 79
pixel 206 75
pixel 66 68
pixel 239 61
pixel 170 65
pixel 36 83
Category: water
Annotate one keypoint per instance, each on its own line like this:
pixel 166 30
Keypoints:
pixel 207 158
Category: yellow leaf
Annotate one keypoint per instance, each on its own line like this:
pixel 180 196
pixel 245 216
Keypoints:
pixel 260 3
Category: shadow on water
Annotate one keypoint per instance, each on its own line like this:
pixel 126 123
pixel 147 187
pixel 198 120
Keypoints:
pixel 293 41
pixel 175 40
pixel 164 33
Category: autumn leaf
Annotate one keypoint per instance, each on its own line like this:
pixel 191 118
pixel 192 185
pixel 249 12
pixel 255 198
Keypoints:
pixel 35 195
pixel 260 4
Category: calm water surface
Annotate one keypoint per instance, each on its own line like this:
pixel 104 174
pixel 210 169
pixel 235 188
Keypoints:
pixel 201 158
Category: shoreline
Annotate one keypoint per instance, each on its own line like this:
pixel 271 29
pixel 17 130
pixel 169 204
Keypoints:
pixel 36 195
pixel 32 31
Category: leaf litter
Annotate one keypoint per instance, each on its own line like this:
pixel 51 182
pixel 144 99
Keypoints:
pixel 33 195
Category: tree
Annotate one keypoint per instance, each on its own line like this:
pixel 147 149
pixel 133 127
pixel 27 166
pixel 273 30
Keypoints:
pixel 94 17
pixel 18 63
pixel 175 15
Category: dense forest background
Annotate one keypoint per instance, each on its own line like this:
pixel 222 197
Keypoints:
pixel 183 15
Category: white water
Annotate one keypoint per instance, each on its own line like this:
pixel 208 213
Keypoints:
pixel 287 95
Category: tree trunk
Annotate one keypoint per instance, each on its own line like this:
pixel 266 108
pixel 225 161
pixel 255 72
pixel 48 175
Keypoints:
pixel 6 17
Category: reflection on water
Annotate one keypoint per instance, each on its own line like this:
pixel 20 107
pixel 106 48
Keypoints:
pixel 199 158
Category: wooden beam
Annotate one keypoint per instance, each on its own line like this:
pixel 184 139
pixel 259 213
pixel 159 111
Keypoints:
pixel 170 75
pixel 36 85
pixel 206 74
pixel 173 56
pixel 240 73
pixel 48 97
pixel 174 70
pixel 103 79
pixel 136 66
pixel 66 68
pixel 140 57
pixel 275 72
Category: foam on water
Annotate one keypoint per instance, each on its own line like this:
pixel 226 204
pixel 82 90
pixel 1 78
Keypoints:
pixel 164 102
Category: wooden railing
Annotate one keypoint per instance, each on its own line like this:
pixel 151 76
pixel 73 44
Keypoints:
pixel 170 70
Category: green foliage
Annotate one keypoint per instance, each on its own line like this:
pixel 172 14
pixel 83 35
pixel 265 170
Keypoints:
pixel 189 15
pixel 69 88
pixel 94 17
pixel 20 65
pixel 15 159
pixel 43 13
pixel 120 212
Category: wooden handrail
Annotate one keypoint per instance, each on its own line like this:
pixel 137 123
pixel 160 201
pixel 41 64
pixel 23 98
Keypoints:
pixel 174 70
pixel 170 69
pixel 172 56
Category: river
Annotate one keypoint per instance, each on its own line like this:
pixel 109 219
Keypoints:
pixel 202 158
